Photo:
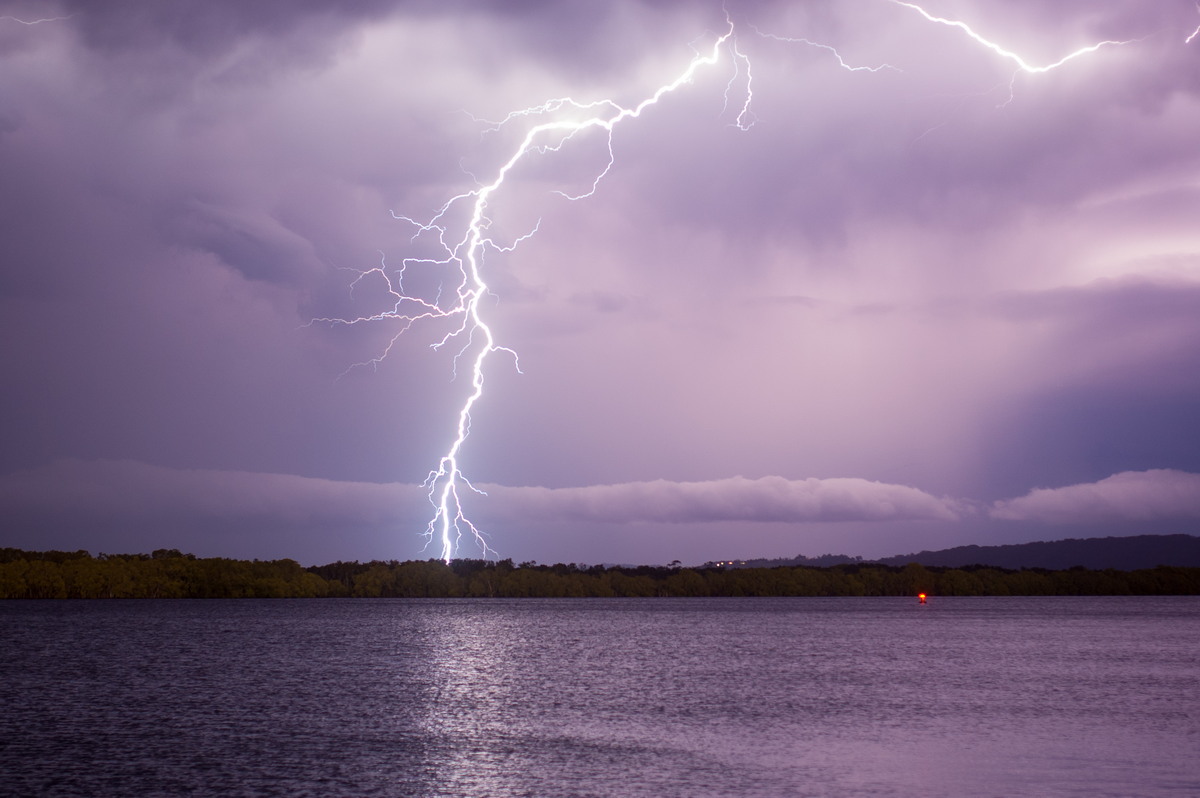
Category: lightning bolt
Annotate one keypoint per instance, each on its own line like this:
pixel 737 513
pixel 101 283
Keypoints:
pixel 35 21
pixel 567 118
pixel 1022 64
pixel 1194 33
pixel 841 61
pixel 462 252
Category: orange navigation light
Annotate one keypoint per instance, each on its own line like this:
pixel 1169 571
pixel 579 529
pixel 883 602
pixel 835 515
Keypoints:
pixel 921 596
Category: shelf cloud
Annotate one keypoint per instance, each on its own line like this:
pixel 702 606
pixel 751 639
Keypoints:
pixel 78 490
pixel 767 499
pixel 1159 494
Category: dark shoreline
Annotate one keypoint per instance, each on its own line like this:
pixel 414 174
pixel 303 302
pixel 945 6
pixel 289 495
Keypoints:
pixel 171 574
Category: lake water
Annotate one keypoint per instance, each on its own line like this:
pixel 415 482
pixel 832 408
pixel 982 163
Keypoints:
pixel 596 697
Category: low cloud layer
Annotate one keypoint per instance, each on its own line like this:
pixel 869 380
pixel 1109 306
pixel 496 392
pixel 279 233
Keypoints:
pixel 769 499
pixel 1160 494
pixel 139 506
pixel 76 489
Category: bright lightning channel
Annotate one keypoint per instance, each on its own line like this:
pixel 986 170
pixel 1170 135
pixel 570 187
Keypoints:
pixel 1194 33
pixel 1022 64
pixel 445 484
pixel 449 523
pixel 35 21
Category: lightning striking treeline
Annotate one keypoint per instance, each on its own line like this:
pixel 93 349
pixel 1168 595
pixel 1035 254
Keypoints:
pixel 463 246
pixel 464 254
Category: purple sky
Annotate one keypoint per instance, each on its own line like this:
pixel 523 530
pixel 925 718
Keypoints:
pixel 927 305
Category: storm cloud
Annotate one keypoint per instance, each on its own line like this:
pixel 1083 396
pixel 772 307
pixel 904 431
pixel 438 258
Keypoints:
pixel 940 278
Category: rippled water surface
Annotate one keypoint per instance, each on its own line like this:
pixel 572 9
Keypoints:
pixel 594 697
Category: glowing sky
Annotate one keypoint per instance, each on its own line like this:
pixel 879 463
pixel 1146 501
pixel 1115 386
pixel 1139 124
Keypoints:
pixel 930 304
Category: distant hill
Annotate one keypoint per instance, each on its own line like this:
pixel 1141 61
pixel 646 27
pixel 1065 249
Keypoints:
pixel 1124 554
pixel 824 561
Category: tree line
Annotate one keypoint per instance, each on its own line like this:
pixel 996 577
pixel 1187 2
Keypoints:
pixel 168 573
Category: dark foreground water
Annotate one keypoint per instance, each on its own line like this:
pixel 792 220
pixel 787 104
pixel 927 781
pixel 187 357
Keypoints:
pixel 592 697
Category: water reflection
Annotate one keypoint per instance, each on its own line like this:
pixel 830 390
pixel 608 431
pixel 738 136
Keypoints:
pixel 470 659
pixel 689 698
pixel 602 698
